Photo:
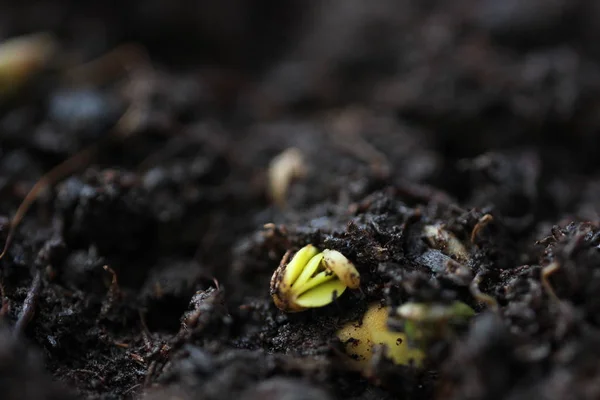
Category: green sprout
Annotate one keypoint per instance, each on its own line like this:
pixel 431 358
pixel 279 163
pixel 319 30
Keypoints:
pixel 424 322
pixel 312 279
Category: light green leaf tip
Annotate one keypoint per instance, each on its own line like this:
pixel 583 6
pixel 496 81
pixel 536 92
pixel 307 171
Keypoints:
pixel 322 295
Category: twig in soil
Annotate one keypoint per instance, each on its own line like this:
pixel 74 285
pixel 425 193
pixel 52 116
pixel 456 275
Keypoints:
pixel 479 295
pixel 156 366
pixel 482 223
pixel 114 282
pixel 547 272
pixel 137 358
pixel 114 292
pixel 29 304
pixel 62 170
pixel 150 372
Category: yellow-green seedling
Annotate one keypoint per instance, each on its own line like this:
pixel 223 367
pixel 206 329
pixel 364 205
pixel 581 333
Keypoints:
pixel 359 339
pixel 312 279
pixel 424 322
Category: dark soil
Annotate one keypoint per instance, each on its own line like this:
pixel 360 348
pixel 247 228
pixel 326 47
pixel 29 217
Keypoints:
pixel 144 268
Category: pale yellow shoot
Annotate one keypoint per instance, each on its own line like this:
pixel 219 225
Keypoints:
pixel 360 339
pixel 308 271
pixel 298 263
pixel 321 295
pixel 320 278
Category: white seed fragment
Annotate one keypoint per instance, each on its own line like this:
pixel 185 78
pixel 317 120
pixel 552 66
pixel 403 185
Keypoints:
pixel 342 267
pixel 283 169
pixel 445 241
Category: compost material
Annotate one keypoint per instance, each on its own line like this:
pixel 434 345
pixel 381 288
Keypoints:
pixel 140 265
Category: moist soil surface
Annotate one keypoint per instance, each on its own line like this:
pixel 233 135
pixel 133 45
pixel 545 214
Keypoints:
pixel 143 266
